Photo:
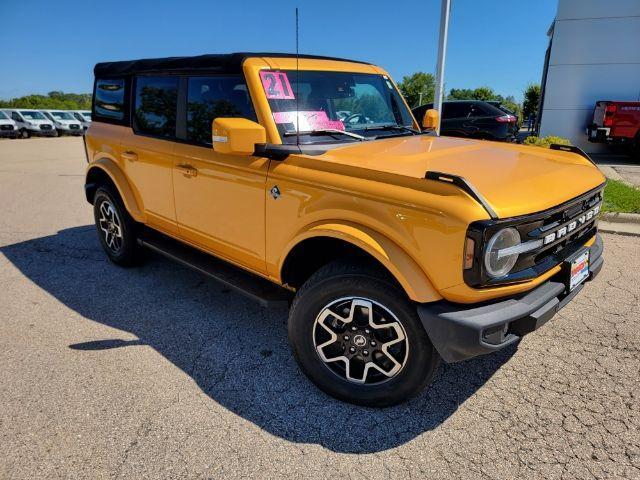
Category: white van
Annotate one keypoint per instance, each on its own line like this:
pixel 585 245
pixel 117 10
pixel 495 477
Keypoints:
pixel 8 127
pixel 31 122
pixel 65 122
pixel 83 116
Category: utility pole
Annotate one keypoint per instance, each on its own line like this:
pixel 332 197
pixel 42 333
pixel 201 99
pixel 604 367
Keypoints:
pixel 445 10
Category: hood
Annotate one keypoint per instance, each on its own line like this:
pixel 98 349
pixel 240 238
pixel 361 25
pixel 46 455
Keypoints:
pixel 514 179
pixel 39 121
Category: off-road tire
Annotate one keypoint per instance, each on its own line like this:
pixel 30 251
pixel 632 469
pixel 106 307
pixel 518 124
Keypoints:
pixel 123 251
pixel 342 280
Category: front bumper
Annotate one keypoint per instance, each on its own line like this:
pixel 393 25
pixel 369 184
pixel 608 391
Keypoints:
pixel 9 133
pixel 44 133
pixel 459 332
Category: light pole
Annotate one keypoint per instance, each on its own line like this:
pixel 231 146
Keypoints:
pixel 445 10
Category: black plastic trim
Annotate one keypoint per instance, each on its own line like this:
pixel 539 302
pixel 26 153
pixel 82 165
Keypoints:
pixel 459 332
pixel 464 185
pixel 572 149
pixel 280 152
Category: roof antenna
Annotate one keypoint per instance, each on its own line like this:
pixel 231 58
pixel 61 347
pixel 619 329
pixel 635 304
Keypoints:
pixel 297 87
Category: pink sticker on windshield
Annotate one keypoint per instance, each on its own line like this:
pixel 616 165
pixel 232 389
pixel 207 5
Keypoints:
pixel 315 120
pixel 276 85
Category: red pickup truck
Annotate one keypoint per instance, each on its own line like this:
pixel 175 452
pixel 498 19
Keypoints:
pixel 616 123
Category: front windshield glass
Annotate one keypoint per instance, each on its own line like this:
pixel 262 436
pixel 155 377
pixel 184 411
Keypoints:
pixel 367 105
pixel 3 116
pixel 32 115
pixel 62 115
pixel 86 115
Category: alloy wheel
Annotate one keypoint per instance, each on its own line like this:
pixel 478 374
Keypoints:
pixel 360 340
pixel 110 226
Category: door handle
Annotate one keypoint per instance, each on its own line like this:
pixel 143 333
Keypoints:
pixel 187 170
pixel 130 155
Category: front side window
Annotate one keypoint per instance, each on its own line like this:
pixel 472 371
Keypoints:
pixel 209 98
pixel 16 117
pixel 32 115
pixel 109 98
pixel 155 106
pixel 328 103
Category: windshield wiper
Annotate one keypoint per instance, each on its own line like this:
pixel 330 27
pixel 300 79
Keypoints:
pixel 391 126
pixel 326 130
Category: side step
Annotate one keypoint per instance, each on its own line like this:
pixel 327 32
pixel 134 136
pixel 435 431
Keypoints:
pixel 257 288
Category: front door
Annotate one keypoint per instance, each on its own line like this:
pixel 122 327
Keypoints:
pixel 220 199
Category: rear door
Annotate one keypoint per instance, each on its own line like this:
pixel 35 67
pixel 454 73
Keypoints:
pixel 147 153
pixel 454 118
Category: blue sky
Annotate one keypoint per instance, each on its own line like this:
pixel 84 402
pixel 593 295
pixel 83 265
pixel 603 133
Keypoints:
pixel 498 43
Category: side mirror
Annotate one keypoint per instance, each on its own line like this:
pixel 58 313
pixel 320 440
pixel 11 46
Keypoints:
pixel 430 119
pixel 236 136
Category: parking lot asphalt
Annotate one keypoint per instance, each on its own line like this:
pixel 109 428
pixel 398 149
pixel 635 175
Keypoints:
pixel 158 372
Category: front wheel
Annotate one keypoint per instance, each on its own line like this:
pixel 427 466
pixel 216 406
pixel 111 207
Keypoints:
pixel 358 338
pixel 24 133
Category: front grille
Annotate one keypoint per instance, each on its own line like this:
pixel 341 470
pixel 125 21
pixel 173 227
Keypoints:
pixel 563 229
pixel 45 126
pixel 6 127
pixel 74 127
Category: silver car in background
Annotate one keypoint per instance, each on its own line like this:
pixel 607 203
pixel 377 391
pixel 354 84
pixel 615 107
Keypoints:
pixel 8 127
pixel 64 122
pixel 83 116
pixel 31 122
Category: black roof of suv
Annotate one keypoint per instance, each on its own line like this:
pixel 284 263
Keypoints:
pixel 222 63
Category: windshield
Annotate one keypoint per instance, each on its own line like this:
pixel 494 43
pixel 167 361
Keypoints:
pixel 3 116
pixel 86 115
pixel 62 115
pixel 32 115
pixel 367 105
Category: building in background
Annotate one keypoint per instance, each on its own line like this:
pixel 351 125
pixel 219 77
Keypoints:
pixel 594 54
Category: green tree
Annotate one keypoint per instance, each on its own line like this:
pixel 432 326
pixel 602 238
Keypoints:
pixel 418 88
pixel 480 93
pixel 531 100
pixel 54 100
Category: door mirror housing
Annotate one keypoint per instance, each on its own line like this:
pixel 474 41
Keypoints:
pixel 236 136
pixel 430 119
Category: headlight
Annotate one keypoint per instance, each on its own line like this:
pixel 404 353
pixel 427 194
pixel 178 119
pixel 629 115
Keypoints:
pixel 497 262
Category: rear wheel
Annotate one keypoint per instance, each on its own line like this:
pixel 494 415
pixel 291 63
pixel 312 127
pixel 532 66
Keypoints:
pixel 358 338
pixel 116 229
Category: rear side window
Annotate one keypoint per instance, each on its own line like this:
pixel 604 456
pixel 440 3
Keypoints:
pixel 455 110
pixel 155 106
pixel 109 98
pixel 213 97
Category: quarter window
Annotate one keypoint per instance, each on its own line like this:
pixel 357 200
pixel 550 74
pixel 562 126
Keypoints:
pixel 109 99
pixel 214 97
pixel 155 106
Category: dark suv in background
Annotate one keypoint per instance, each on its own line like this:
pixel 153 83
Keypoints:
pixel 473 119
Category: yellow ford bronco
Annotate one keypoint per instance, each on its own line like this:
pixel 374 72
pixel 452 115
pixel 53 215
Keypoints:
pixel 306 182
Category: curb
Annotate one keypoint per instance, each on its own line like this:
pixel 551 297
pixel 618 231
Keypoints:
pixel 618 217
pixel 621 223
